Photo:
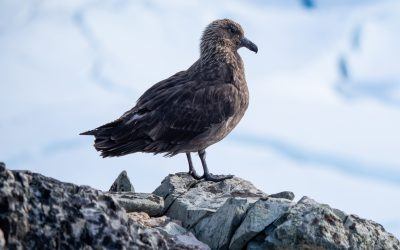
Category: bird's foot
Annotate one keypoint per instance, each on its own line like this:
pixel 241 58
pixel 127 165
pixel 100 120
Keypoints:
pixel 195 175
pixel 217 178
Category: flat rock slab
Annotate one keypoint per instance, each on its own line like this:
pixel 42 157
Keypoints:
pixel 151 204
pixel 284 195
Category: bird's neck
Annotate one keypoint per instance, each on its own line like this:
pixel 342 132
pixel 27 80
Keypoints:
pixel 221 55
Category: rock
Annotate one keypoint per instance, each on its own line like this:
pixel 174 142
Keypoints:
pixel 365 234
pixel 234 214
pixel 171 228
pixel 217 229
pixel 190 201
pixel 189 240
pixel 38 212
pixel 284 195
pixel 258 217
pixel 142 218
pixel 173 186
pixel 140 202
pixel 122 184
pixel 310 225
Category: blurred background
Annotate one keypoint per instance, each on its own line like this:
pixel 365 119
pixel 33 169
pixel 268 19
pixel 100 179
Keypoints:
pixel 324 114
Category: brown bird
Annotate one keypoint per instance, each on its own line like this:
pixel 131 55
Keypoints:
pixel 190 110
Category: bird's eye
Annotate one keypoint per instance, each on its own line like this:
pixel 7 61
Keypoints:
pixel 232 30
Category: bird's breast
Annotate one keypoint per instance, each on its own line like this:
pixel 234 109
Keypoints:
pixel 228 125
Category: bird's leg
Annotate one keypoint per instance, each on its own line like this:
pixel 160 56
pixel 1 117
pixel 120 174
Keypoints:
pixel 207 175
pixel 192 171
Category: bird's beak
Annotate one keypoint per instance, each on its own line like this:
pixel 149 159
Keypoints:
pixel 244 42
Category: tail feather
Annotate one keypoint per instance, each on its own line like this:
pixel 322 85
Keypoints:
pixel 102 130
pixel 127 148
pixel 118 138
pixel 89 132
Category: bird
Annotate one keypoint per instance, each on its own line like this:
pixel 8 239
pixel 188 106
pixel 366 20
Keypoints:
pixel 189 111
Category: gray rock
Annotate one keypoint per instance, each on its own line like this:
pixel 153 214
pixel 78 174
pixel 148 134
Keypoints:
pixel 284 195
pixel 339 213
pixel 122 184
pixel 310 225
pixel 258 217
pixel 191 200
pixel 189 240
pixel 364 234
pixel 140 202
pixel 38 212
pixel 171 228
pixel 217 229
pixel 235 214
pixel 173 186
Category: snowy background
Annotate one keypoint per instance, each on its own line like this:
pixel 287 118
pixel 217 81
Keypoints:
pixel 324 116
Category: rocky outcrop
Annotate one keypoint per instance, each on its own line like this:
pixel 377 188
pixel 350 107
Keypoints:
pixel 38 212
pixel 233 214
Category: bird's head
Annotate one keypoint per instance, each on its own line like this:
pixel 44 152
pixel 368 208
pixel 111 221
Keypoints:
pixel 225 35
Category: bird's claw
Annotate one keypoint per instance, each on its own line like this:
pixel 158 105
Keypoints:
pixel 217 178
pixel 210 177
pixel 195 175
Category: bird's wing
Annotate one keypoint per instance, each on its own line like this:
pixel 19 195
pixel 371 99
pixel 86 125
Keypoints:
pixel 163 88
pixel 186 105
pixel 181 113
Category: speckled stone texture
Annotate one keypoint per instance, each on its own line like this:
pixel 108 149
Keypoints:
pixel 37 212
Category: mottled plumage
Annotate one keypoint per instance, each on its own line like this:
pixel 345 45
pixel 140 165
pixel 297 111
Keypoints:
pixel 190 110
